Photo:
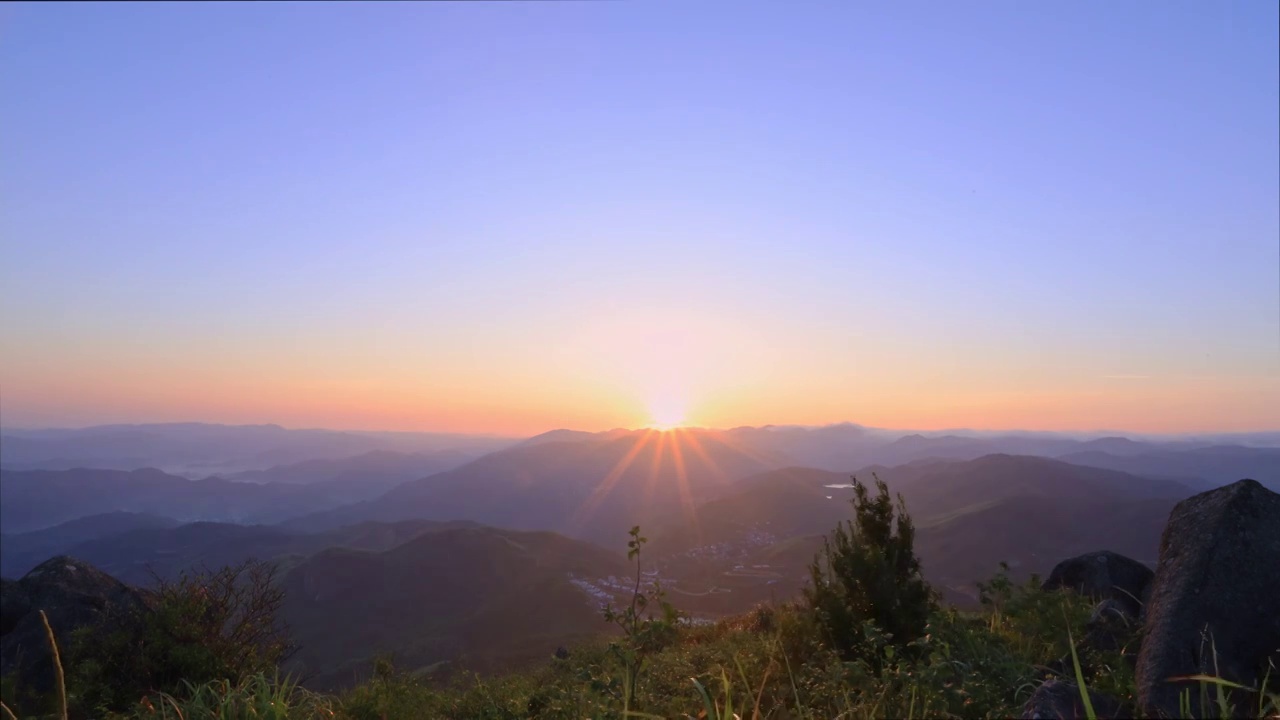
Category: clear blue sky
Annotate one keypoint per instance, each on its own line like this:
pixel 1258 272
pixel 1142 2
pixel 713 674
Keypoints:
pixel 489 215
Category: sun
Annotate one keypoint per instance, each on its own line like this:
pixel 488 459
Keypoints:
pixel 666 412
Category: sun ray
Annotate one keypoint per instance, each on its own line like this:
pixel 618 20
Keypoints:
pixel 654 468
pixel 696 446
pixel 682 483
pixel 752 453
pixel 603 488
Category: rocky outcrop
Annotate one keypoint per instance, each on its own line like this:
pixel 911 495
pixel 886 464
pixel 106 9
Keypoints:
pixel 14 603
pixel 73 595
pixel 1059 700
pixel 1214 603
pixel 1104 575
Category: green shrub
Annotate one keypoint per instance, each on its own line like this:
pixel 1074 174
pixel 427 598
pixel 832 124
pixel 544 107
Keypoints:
pixel 208 625
pixel 868 572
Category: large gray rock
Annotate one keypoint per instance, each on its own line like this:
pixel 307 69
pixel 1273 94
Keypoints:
pixel 1060 700
pixel 73 594
pixel 1103 575
pixel 1216 587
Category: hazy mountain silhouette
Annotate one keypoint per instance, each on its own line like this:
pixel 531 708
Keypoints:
pixel 590 488
pixel 847 447
pixel 201 449
pixel 358 478
pixel 36 499
pixel 1214 465
pixel 19 552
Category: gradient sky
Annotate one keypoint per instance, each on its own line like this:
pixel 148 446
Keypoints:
pixel 509 217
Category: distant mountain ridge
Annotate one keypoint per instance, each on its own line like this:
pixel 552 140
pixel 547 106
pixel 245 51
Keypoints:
pixel 20 552
pixel 37 499
pixel 199 449
pixel 202 449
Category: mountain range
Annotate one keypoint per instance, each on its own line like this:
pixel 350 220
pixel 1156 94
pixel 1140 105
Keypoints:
pixel 196 450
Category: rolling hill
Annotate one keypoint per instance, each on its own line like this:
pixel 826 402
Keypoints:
pixel 479 597
pixel 132 556
pixel 969 515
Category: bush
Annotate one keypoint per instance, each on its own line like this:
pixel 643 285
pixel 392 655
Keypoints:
pixel 868 573
pixel 208 625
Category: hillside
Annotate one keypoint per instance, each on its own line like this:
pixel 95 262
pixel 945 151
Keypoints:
pixel 588 488
pixel 755 542
pixel 480 596
pixel 943 488
pixel 133 556
pixel 1032 533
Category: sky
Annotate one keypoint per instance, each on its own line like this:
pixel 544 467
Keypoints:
pixel 511 217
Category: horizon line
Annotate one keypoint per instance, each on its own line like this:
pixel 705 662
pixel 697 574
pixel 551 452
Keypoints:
pixel 902 431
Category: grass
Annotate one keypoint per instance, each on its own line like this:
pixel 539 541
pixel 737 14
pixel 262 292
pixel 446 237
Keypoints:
pixel 257 697
pixel 765 665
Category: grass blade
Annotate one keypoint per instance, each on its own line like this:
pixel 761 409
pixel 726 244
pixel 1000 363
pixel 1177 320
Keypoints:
pixel 707 703
pixel 57 664
pixel 1084 691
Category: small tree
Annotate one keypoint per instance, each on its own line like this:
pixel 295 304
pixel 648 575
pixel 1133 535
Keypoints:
pixel 868 573
pixel 643 632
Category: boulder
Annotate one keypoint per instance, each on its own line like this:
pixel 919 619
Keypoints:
pixel 1060 700
pixel 1103 575
pixel 1215 599
pixel 73 594
pixel 14 603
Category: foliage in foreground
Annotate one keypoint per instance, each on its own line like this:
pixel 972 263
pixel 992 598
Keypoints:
pixel 205 626
pixel 868 574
